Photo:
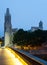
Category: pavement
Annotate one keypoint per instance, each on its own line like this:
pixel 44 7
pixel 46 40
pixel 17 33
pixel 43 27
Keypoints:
pixel 7 58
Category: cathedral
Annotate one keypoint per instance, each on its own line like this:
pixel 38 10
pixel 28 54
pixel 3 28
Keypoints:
pixel 7 29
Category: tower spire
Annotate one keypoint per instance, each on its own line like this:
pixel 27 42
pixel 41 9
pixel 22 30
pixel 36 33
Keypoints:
pixel 7 28
pixel 7 12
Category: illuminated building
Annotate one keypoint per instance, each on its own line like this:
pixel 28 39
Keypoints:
pixel 7 28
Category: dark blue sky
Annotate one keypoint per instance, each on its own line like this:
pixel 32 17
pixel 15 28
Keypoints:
pixel 24 13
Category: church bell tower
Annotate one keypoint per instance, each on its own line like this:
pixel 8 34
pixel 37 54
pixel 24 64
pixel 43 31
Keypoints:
pixel 7 29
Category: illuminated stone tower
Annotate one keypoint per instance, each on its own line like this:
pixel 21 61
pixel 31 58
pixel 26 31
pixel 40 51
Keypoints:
pixel 7 29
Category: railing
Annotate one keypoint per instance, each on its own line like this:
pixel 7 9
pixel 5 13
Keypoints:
pixel 34 58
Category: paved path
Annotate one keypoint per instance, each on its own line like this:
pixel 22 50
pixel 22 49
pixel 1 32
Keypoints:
pixel 7 58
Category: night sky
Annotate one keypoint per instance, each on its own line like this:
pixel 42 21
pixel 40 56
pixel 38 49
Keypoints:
pixel 24 13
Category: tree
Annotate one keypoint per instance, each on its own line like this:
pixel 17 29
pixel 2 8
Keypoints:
pixel 35 38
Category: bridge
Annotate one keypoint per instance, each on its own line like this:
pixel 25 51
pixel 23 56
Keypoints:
pixel 12 56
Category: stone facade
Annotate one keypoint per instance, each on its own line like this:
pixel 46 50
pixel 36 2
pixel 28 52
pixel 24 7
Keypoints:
pixel 7 28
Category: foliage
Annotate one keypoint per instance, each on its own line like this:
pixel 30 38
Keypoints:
pixel 35 38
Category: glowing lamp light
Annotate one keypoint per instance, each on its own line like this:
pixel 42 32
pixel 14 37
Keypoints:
pixel 16 59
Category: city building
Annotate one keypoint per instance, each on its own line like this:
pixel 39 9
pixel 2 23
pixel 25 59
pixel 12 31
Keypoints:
pixel 14 30
pixel 36 28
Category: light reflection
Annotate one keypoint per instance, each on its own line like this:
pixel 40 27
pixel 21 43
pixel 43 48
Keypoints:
pixel 0 49
pixel 16 59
